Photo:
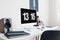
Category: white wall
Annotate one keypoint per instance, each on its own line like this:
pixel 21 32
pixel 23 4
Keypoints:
pixel 11 9
pixel 54 12
pixel 44 11
pixel 58 13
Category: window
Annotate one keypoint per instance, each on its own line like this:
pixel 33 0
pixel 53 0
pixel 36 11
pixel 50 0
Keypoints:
pixel 33 4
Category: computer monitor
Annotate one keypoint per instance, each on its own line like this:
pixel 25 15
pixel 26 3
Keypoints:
pixel 28 16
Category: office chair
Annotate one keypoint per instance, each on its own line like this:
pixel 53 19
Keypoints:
pixel 51 35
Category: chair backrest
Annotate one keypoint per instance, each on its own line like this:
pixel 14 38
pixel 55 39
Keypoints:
pixel 51 35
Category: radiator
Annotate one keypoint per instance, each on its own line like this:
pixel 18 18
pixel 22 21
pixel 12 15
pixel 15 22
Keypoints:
pixel 36 37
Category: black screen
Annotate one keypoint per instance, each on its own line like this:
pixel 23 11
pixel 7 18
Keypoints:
pixel 28 15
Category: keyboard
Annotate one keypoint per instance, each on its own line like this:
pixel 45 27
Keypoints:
pixel 13 34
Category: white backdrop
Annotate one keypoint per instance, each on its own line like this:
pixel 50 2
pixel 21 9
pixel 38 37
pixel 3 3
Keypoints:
pixel 11 9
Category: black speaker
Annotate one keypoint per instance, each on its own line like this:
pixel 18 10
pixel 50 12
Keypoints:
pixel 7 25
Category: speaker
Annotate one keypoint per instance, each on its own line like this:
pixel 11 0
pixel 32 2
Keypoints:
pixel 5 25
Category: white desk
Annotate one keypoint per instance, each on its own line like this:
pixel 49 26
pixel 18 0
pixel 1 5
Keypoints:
pixel 33 33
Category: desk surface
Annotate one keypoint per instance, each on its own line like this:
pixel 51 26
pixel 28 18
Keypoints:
pixel 33 32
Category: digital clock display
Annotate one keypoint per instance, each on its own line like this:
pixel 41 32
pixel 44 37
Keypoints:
pixel 28 15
